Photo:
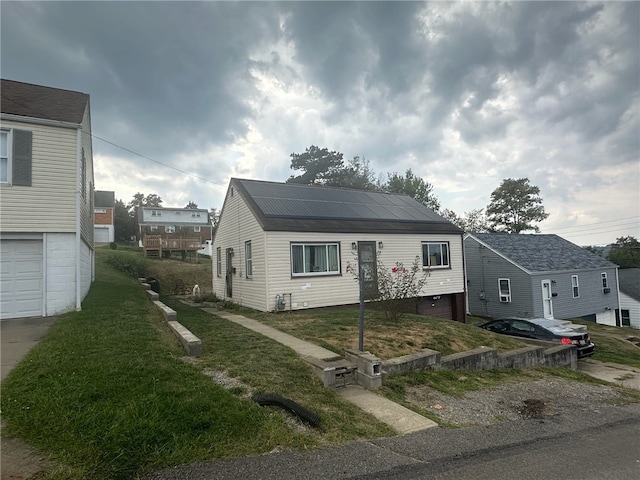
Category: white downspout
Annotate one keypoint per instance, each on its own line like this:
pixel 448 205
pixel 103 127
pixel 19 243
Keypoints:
pixel 44 274
pixel 78 215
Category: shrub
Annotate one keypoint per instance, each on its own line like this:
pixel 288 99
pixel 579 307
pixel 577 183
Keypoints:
pixel 130 265
pixel 113 245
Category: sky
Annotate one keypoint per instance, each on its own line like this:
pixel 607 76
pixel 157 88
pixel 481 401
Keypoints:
pixel 186 95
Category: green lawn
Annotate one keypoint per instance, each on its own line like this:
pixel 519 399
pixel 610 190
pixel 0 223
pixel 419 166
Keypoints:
pixel 107 395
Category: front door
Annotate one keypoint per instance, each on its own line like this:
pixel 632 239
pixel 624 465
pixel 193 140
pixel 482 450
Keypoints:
pixel 367 267
pixel 547 302
pixel 229 274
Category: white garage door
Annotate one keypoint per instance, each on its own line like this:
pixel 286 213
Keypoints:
pixel 101 234
pixel 20 278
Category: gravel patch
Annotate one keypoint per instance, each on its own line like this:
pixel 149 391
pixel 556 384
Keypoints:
pixel 536 399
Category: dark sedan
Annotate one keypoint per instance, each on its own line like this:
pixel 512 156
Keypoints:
pixel 543 329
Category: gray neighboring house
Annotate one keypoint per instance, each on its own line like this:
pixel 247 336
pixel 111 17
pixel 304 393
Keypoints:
pixel 629 279
pixel 538 276
pixel 282 246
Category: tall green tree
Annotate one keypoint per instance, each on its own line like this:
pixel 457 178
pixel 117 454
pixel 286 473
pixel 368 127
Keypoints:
pixel 191 205
pixel 515 207
pixel 413 186
pixel 625 252
pixel 472 221
pixel 319 166
pixel 123 224
pixel 357 174
pixel 140 200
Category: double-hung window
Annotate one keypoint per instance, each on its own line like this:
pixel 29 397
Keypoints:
pixel 435 254
pixel 504 289
pixel 196 229
pixel 170 229
pixel 218 262
pixel 5 157
pixel 574 286
pixel 605 283
pixel 315 259
pixel 248 259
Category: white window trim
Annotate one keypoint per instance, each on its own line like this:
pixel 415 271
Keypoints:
pixel 170 229
pixel 9 157
pixel 154 228
pixel 248 259
pixel 312 244
pixel 218 262
pixel 197 229
pixel 575 287
pixel 504 298
pixel 427 266
pixel 605 280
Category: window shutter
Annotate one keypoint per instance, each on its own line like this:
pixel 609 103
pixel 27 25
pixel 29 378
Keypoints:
pixel 22 158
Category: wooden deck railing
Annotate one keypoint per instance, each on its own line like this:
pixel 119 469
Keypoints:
pixel 167 243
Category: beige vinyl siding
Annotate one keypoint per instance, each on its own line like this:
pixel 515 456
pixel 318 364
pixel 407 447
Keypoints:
pixel 236 226
pixel 49 205
pixel 86 203
pixel 321 291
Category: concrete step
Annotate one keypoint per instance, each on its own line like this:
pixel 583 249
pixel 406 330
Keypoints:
pixel 399 418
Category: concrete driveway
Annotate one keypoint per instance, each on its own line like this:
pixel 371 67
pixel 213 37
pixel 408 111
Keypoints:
pixel 611 372
pixel 18 336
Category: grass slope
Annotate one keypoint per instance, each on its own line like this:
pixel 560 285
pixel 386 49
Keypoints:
pixel 106 394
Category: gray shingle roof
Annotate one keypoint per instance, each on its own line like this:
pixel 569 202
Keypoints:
pixel 293 207
pixel 629 282
pixel 543 253
pixel 36 101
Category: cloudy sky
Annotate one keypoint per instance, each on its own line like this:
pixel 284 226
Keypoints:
pixel 185 95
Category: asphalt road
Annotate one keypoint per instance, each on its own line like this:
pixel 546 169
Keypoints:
pixel 573 446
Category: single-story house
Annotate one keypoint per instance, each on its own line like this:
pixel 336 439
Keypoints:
pixel 284 246
pixel 538 276
pixel 46 193
pixel 628 315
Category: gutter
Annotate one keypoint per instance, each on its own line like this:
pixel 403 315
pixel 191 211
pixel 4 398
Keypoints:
pixel 39 121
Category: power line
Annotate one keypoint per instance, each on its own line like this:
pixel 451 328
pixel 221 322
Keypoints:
pixel 153 160
pixel 600 223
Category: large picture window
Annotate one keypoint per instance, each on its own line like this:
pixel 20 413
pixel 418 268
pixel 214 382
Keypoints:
pixel 435 254
pixel 315 259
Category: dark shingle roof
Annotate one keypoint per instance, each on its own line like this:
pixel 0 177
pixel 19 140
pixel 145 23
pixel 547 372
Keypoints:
pixel 103 198
pixel 36 101
pixel 293 207
pixel 629 282
pixel 543 253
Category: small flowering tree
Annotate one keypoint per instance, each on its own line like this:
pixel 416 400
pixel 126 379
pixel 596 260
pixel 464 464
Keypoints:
pixel 398 287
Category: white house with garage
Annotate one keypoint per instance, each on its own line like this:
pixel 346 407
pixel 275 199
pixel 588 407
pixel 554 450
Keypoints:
pixel 284 246
pixel 46 198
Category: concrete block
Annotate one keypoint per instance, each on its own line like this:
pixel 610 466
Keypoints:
pixel 481 358
pixel 527 357
pixel 423 360
pixel 152 295
pixel 191 344
pixel 333 374
pixel 169 313
pixel 561 356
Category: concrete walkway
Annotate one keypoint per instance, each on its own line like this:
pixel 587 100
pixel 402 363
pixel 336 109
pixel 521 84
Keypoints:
pixel 399 418
pixel 18 460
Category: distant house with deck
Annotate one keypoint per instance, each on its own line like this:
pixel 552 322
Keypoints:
pixel 163 230
pixel 282 246
pixel 46 199
pixel 538 276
